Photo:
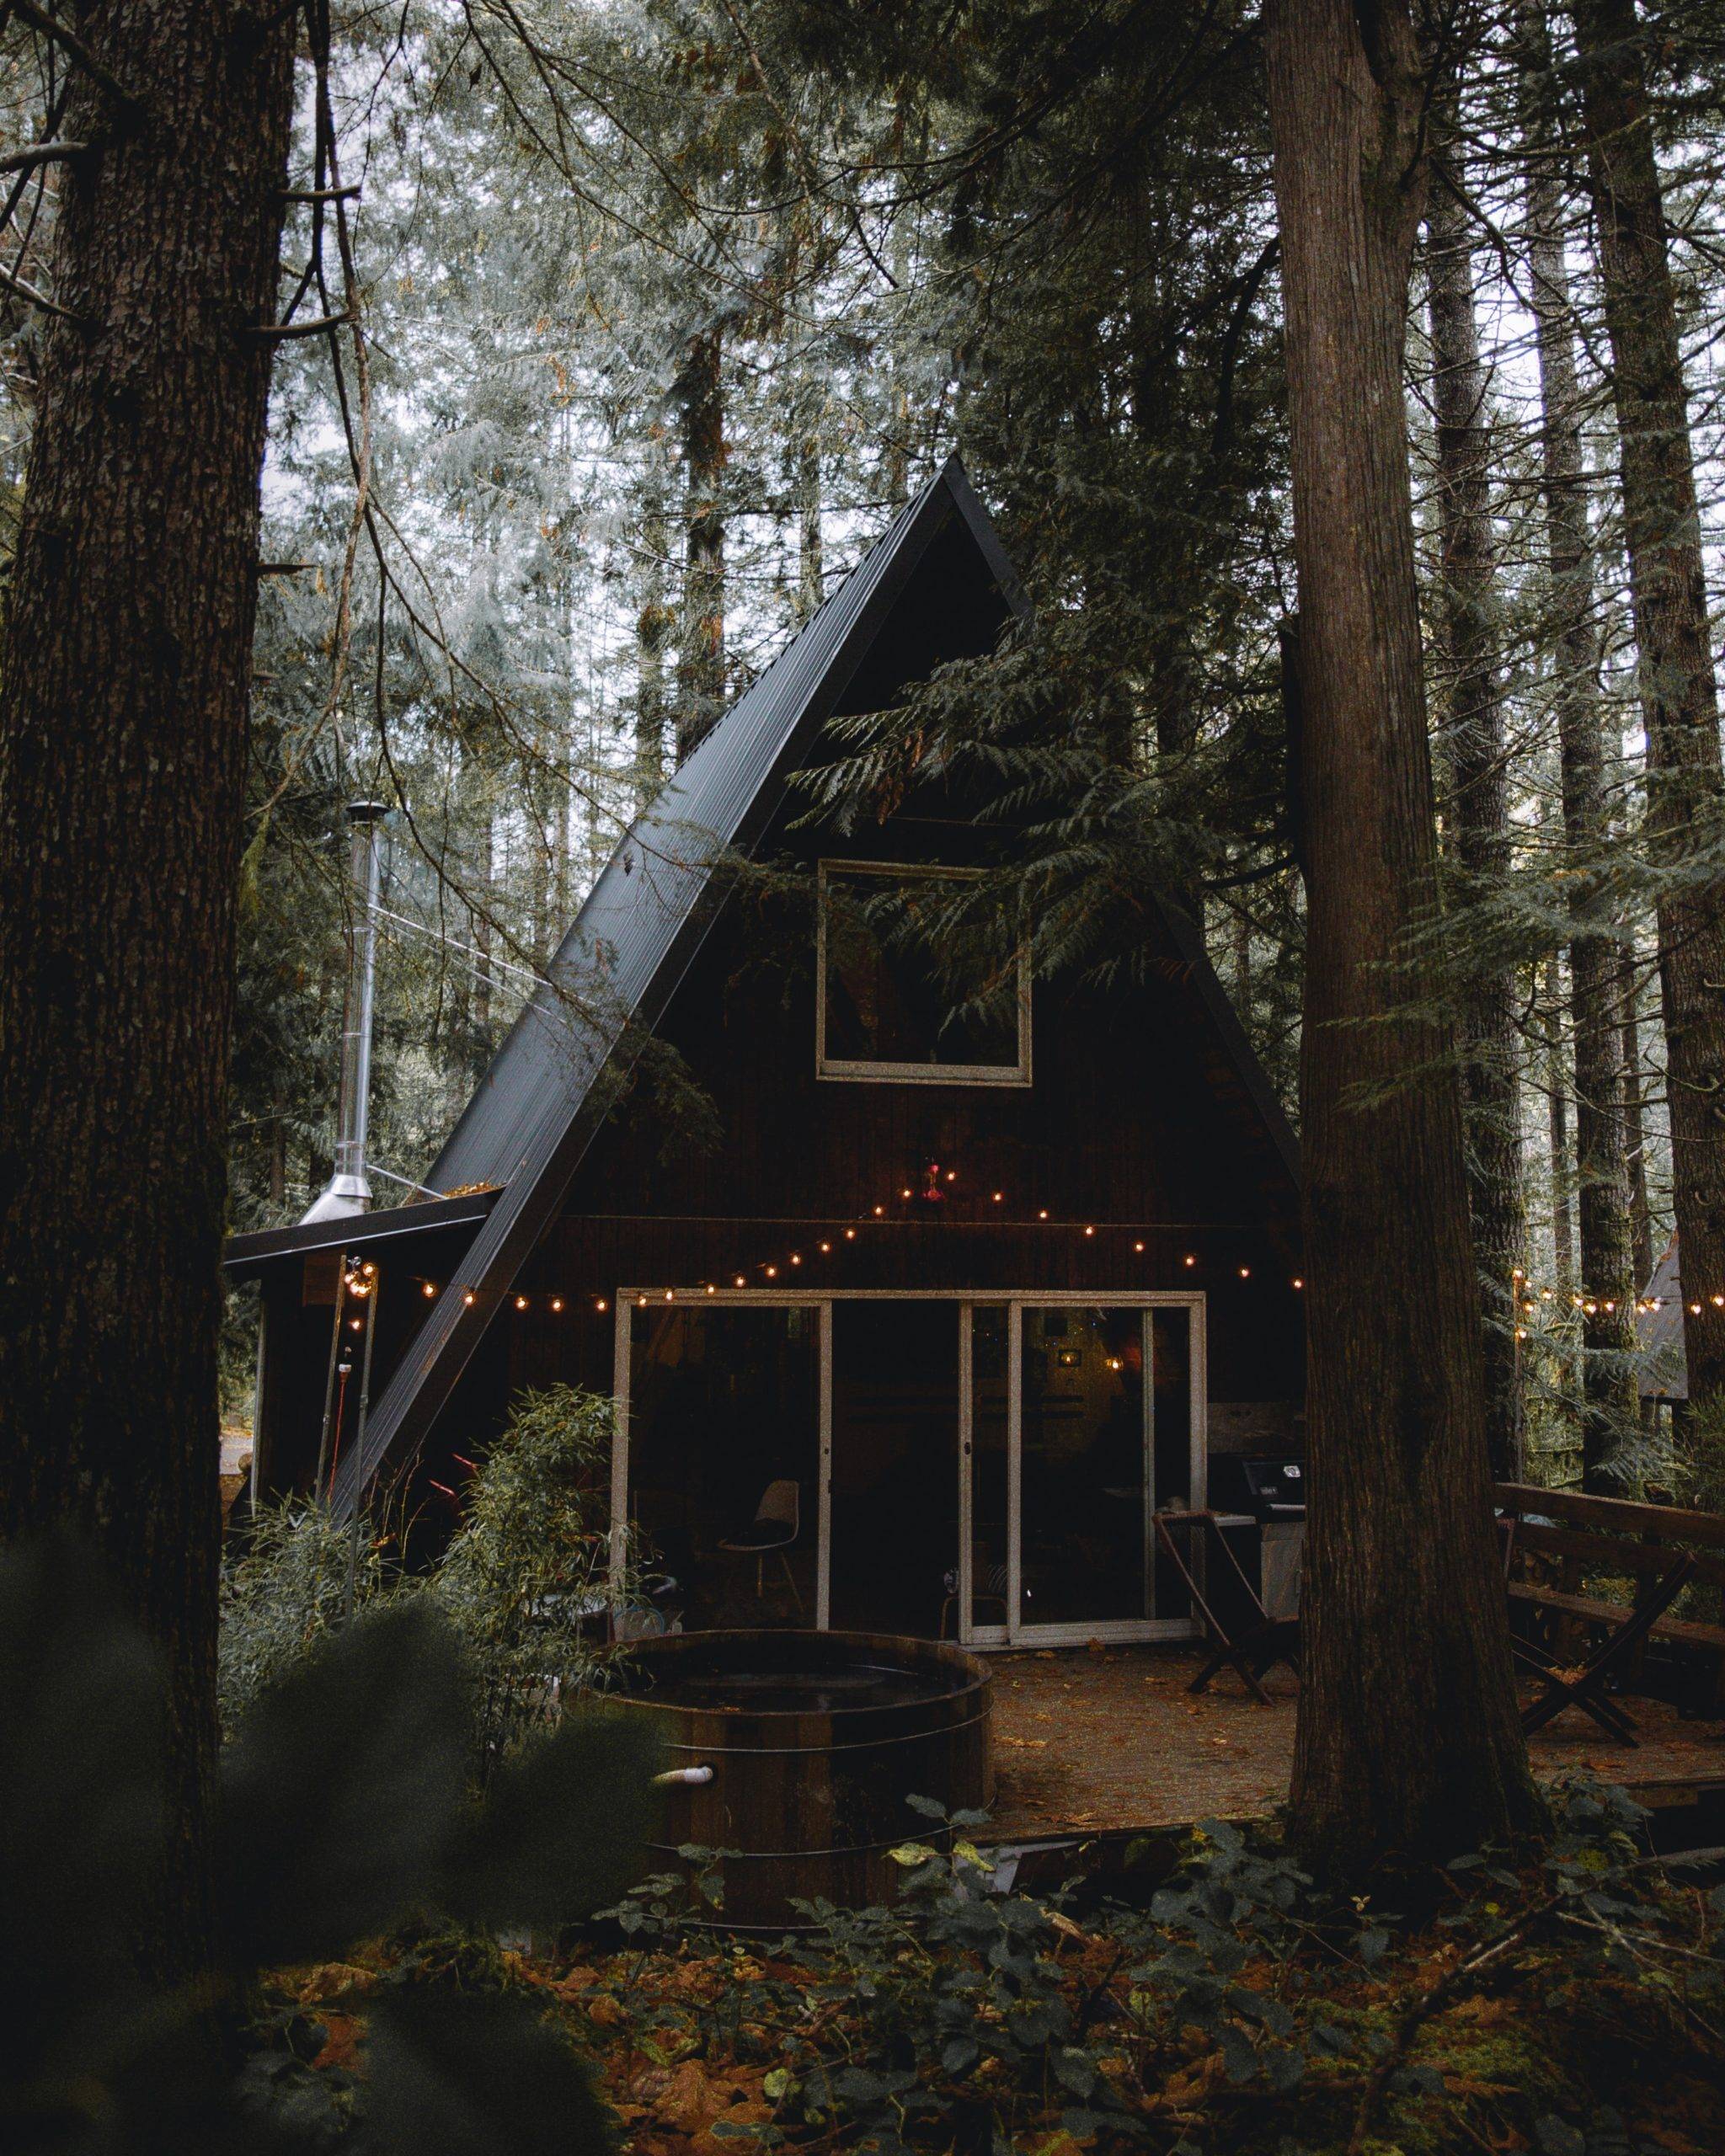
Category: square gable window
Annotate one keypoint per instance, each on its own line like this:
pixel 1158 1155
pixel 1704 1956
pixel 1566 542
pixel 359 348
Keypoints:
pixel 892 1004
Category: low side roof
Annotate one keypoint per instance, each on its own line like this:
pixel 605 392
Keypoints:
pixel 246 1256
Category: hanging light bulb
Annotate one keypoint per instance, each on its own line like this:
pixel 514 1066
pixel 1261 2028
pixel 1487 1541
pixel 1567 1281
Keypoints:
pixel 1190 1260
pixel 772 1272
pixel 1043 1213
pixel 469 1298
pixel 1090 1231
pixel 429 1290
pixel 1139 1247
pixel 557 1302
pixel 740 1281
pixel 850 1235
pixel 521 1302
pixel 1298 1281
pixel 1246 1273
pixel 796 1258
pixel 999 1197
pixel 600 1305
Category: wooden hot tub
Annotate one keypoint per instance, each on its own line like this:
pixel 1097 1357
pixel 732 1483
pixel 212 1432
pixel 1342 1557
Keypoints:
pixel 815 1740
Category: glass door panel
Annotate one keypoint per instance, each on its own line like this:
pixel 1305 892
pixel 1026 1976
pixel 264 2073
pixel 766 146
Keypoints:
pixel 725 1421
pixel 990 1522
pixel 1086 1463
pixel 895 1484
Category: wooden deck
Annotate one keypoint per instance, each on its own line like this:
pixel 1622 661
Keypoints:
pixel 1109 1741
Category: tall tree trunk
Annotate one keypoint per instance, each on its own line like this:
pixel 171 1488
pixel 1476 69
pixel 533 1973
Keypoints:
pixel 810 576
pixel 122 754
pixel 483 982
pixel 1611 1408
pixel 701 674
pixel 653 631
pixel 1679 688
pixel 1557 1114
pixel 1405 1630
pixel 1478 802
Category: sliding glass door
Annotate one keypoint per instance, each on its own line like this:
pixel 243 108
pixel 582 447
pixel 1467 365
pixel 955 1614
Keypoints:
pixel 987 1470
pixel 1084 1417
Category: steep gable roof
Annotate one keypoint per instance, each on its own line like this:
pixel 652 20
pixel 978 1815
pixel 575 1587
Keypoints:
pixel 534 1114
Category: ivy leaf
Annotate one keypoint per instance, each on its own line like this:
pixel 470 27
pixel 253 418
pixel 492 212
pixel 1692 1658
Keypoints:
pixel 1074 2069
pixel 1239 2055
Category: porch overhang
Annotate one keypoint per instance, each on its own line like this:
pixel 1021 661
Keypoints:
pixel 249 1256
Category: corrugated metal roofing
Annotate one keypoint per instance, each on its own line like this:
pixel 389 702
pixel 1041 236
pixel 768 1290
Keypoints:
pixel 642 923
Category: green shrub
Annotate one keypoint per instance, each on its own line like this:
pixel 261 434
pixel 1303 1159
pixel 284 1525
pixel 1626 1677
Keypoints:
pixel 524 1582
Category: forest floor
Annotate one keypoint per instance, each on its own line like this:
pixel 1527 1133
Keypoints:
pixel 1109 1740
pixel 1574 2006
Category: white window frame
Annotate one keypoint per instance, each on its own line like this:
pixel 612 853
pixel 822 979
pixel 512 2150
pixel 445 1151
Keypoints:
pixel 847 1071
pixel 1016 1300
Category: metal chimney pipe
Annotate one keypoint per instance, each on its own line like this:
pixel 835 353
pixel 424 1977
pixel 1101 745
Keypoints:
pixel 348 1190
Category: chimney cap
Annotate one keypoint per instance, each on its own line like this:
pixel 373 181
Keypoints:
pixel 367 812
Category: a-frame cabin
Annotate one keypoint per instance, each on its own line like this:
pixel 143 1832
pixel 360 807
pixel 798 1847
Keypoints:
pixel 968 1299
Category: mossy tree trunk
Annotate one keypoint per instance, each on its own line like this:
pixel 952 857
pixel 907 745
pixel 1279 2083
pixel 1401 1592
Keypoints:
pixel 1409 1745
pixel 122 760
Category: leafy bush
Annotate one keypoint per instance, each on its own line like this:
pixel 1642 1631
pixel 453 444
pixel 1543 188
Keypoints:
pixel 343 1809
pixel 525 1581
pixel 288 1586
pixel 1240 2010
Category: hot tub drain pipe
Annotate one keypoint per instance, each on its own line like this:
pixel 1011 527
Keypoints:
pixel 684 1778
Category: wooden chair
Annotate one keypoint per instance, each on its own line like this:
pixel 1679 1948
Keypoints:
pixel 1252 1649
pixel 1559 1546
pixel 777 1523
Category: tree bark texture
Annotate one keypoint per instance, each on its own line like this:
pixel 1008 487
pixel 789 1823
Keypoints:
pixel 810 573
pixel 122 754
pixel 1557 1123
pixel 653 632
pixel 1678 687
pixel 1478 803
pixel 701 683
pixel 1409 1745
pixel 1635 1137
pixel 1610 1406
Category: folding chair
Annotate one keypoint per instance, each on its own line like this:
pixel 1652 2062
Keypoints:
pixel 1583 1685
pixel 1263 1642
